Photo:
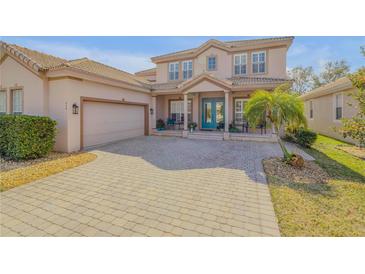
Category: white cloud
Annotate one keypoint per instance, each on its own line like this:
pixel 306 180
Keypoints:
pixel 297 49
pixel 130 62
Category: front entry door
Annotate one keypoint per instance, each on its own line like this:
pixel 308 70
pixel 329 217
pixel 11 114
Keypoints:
pixel 212 112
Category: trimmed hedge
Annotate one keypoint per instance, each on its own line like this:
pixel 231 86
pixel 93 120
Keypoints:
pixel 26 137
pixel 305 137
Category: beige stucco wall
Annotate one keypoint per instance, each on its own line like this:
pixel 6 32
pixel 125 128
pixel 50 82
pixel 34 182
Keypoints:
pixel 323 120
pixel 275 64
pixel 15 75
pixel 162 104
pixel 72 90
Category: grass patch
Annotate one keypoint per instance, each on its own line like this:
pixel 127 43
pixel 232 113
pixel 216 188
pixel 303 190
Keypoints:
pixel 27 174
pixel 335 208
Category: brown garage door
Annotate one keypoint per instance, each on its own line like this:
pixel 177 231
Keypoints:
pixel 105 122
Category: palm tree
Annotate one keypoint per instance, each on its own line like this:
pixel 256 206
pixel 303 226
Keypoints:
pixel 280 107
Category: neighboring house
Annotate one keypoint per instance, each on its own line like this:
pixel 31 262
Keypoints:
pixel 95 104
pixel 327 105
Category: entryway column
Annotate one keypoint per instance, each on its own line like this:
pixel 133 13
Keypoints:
pixel 185 115
pixel 153 116
pixel 226 113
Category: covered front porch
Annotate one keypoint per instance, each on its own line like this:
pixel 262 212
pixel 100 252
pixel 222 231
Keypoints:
pixel 211 108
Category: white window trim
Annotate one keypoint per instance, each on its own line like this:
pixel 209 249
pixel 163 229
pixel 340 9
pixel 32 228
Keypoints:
pixel 181 108
pixel 309 110
pixel 216 63
pixel 12 100
pixel 178 72
pixel 6 101
pixel 252 63
pixel 192 69
pixel 234 64
pixel 334 107
pixel 234 105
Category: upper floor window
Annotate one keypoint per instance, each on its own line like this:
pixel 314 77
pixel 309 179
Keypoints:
pixel 311 109
pixel 212 63
pixel 338 106
pixel 2 101
pixel 187 69
pixel 258 62
pixel 240 64
pixel 17 101
pixel 174 71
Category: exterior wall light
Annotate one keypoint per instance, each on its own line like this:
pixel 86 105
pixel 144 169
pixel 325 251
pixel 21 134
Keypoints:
pixel 75 109
pixel 151 111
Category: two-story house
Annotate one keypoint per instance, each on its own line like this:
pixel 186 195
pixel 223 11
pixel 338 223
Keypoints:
pixel 95 104
pixel 211 83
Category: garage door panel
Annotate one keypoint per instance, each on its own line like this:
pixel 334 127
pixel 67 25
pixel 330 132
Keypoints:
pixel 108 122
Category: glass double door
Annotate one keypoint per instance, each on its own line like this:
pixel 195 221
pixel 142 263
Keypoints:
pixel 212 112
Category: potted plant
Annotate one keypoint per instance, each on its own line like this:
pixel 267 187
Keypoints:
pixel 160 124
pixel 220 126
pixel 192 126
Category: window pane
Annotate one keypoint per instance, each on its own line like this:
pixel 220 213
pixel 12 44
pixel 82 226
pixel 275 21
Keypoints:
pixel 2 101
pixel 237 69
pixel 255 68
pixel 338 113
pixel 208 112
pixel 237 59
pixel 255 58
pixel 17 101
pixel 176 75
pixel 262 67
pixel 243 59
pixel 243 69
pixel 262 57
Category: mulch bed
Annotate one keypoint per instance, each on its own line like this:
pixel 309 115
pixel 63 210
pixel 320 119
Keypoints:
pixel 6 165
pixel 355 151
pixel 41 168
pixel 310 173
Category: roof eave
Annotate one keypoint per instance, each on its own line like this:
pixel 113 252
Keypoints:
pixel 76 72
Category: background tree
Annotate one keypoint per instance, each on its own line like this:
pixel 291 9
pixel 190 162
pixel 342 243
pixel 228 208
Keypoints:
pixel 362 50
pixel 332 71
pixel 303 79
pixel 354 127
pixel 281 109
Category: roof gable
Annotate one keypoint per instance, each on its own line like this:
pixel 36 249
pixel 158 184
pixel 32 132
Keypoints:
pixel 230 46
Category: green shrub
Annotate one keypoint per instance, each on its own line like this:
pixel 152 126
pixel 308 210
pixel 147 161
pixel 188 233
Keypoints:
pixel 26 137
pixel 305 137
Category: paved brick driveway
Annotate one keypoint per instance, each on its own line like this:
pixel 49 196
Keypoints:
pixel 150 186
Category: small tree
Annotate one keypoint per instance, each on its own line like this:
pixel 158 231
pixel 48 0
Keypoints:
pixel 281 108
pixel 355 127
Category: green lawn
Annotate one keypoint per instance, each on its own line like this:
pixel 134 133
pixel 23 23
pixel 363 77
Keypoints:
pixel 333 209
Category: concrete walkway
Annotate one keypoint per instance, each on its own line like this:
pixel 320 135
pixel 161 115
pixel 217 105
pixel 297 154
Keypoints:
pixel 150 186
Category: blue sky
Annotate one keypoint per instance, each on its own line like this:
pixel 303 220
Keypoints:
pixel 133 53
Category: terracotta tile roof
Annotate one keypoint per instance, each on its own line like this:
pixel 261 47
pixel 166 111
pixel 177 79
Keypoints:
pixel 239 43
pixel 151 71
pixel 94 67
pixel 45 62
pixel 166 86
pixel 246 80
pixel 340 84
pixel 228 44
pixel 42 60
